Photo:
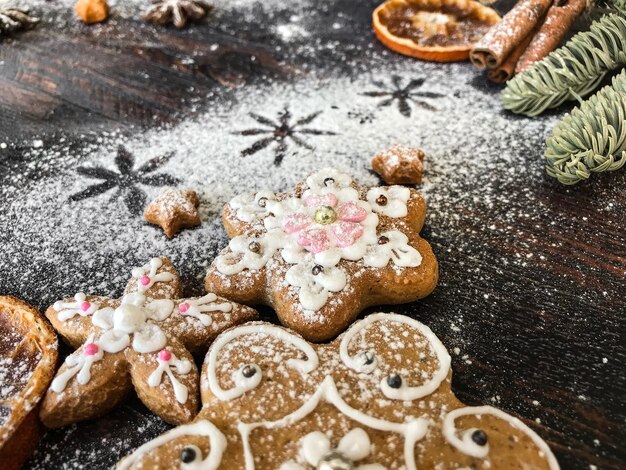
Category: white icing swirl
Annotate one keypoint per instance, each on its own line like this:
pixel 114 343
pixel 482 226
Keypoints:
pixel 395 198
pixel 396 249
pixel 315 288
pixel 247 207
pixel 404 392
pixel 199 428
pixel 80 306
pixel 466 445
pixel 304 366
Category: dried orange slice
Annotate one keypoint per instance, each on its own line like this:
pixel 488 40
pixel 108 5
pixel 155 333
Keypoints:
pixel 437 30
pixel 28 356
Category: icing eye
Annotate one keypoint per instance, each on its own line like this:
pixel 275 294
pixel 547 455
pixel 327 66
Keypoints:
pixel 329 181
pixel 479 437
pixel 254 247
pixel 368 358
pixel 381 200
pixel 247 377
pixel 262 202
pixel 394 381
pixel 189 454
pixel 248 371
pixel 317 269
pixel 383 240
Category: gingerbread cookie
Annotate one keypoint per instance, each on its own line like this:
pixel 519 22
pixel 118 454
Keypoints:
pixel 400 165
pixel 378 397
pixel 143 340
pixel 323 253
pixel 28 358
pixel 174 210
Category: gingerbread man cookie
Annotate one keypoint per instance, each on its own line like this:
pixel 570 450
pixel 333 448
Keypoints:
pixel 143 340
pixel 376 398
pixel 323 253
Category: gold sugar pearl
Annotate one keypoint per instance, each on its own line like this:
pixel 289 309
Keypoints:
pixel 325 215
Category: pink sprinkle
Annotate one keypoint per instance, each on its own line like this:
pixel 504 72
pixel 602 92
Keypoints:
pixel 346 233
pixel 351 212
pixel 85 306
pixel 314 240
pixel 145 280
pixel 316 200
pixel 295 222
pixel 90 349
pixel 165 355
pixel 183 307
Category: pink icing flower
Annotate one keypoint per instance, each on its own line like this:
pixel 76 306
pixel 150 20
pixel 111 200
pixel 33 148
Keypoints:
pixel 328 223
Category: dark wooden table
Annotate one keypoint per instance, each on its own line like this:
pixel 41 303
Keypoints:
pixel 532 290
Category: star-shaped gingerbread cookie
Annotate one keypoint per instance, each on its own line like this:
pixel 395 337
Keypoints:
pixel 323 253
pixel 376 398
pixel 173 210
pixel 143 340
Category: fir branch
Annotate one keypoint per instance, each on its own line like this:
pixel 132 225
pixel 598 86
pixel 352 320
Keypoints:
pixel 572 71
pixel 592 138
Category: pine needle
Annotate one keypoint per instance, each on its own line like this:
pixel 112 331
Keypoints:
pixel 592 138
pixel 572 71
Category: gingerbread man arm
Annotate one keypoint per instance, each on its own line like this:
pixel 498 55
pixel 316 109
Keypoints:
pixel 197 321
pixel 156 280
pixel 72 318
pixel 96 381
pixel 166 381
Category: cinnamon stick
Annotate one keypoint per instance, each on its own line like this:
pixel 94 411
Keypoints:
pixel 559 20
pixel 506 70
pixel 495 46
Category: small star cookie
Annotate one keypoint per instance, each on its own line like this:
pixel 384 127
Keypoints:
pixel 173 210
pixel 400 165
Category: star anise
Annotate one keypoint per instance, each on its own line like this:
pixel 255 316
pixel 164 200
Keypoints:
pixel 176 11
pixel 12 19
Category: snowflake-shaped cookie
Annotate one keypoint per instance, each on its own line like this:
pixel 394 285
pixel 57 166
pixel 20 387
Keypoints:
pixel 376 398
pixel 326 251
pixel 144 339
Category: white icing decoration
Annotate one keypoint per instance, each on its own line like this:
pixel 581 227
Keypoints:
pixel 469 447
pixel 133 316
pixel 303 366
pixel 315 182
pixel 315 288
pixel 79 365
pixel 354 446
pixel 241 257
pixel 292 228
pixel 182 367
pixel 397 197
pixel 247 205
pixel 405 392
pixel 114 341
pixel 397 249
pixel 103 318
pixel 150 270
pixel 67 310
pixel 149 338
pixel 197 307
pixel 412 430
pixel 199 428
